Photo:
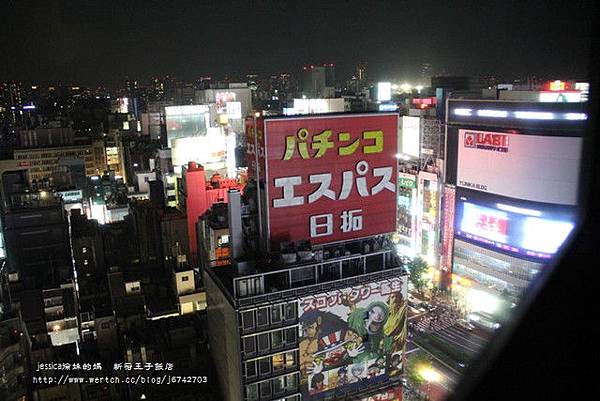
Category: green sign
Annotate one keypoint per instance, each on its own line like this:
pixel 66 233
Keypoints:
pixel 406 182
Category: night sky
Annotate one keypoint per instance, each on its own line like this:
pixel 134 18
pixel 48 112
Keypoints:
pixel 91 43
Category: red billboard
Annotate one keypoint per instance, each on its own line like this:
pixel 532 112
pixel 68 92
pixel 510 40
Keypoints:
pixel 331 178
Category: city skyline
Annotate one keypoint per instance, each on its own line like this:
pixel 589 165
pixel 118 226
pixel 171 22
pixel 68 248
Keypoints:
pixel 99 45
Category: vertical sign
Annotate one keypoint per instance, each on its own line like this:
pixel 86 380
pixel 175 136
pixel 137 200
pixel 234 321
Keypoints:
pixel 448 228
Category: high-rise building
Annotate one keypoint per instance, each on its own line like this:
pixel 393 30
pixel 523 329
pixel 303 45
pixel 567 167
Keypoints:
pixel 43 150
pixel 426 72
pixel 14 357
pixel 322 315
pixel 11 100
pixel 197 194
pixel 511 195
pixel 318 81
pixel 37 239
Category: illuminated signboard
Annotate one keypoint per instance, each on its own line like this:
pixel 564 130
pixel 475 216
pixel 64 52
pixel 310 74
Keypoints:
pixel 352 337
pixel 234 110
pixel 560 96
pixel 584 88
pixel 221 100
pixel 208 150
pixel 388 107
pixel 448 227
pixel 407 199
pixel 185 121
pixel 384 91
pixel 529 229
pixel 427 215
pixel 411 135
pixel 71 196
pixel 330 178
pixel 531 167
pixel 123 105
pixel 427 101
pixel 317 106
pixel 406 180
pixel 557 85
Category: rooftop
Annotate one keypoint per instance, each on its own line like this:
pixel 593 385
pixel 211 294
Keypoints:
pixel 303 271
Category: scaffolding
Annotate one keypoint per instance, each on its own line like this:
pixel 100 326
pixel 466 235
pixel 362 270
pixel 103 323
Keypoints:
pixel 432 143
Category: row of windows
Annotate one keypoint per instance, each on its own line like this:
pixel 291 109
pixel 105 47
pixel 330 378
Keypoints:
pixel 487 280
pixel 513 267
pixel 271 365
pixel 273 341
pixel 272 388
pixel 271 315
pixel 50 155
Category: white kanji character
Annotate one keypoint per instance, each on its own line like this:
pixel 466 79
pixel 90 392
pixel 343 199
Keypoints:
pixel 351 222
pixel 385 183
pixel 316 226
pixel 288 184
pixel 325 181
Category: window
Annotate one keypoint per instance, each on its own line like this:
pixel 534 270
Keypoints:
pixel 264 366
pixel 292 382
pixel 290 335
pixel 251 369
pixel 248 320
pixel 263 342
pixel 290 311
pixel 185 278
pixel 265 389
pixel 262 317
pixel 290 360
pixel 252 392
pixel 279 385
pixel 278 362
pixel 276 314
pixel 277 339
pixel 249 346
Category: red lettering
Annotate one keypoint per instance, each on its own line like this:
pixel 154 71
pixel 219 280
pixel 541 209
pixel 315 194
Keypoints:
pixel 492 139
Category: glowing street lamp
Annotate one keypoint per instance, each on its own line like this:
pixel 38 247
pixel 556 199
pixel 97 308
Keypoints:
pixel 406 87
pixel 430 375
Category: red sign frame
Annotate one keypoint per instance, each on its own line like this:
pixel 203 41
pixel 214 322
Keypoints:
pixel 327 177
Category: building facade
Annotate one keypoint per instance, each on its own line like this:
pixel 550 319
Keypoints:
pixel 511 195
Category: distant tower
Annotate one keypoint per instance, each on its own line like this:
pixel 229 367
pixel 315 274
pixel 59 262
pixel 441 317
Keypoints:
pixel 426 72
pixel 131 85
pixel 361 71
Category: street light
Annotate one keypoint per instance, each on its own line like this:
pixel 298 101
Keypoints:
pixel 405 87
pixel 430 375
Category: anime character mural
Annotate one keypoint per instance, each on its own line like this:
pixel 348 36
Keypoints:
pixel 348 336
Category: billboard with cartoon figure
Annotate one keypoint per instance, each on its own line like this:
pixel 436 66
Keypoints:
pixel 352 337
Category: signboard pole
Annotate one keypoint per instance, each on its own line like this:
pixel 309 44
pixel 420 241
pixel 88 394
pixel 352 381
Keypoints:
pixel 258 195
